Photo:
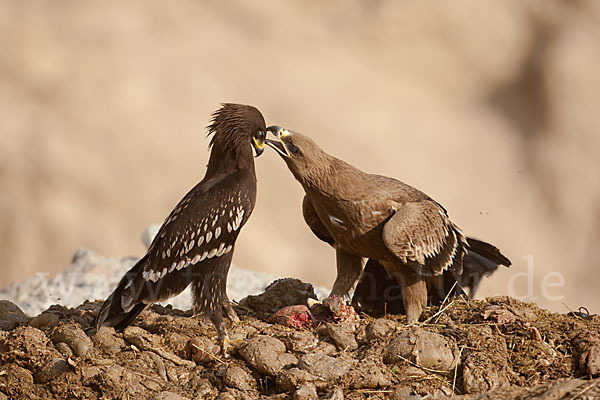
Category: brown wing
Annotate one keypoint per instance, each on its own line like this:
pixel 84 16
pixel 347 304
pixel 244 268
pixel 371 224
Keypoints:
pixel 422 236
pixel 314 222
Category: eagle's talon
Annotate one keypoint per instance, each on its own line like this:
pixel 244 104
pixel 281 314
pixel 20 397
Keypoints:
pixel 228 345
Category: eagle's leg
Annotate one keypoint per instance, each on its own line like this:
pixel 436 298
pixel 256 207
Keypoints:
pixel 209 285
pixel 349 268
pixel 414 290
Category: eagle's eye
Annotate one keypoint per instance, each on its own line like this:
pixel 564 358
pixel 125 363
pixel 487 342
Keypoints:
pixel 294 149
pixel 260 135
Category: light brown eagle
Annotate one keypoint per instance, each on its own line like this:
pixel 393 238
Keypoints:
pixel 379 218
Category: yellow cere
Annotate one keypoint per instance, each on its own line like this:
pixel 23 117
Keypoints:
pixel 260 146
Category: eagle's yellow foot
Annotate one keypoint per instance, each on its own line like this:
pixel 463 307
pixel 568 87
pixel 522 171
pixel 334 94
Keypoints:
pixel 228 345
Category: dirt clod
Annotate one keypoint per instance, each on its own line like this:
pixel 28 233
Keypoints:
pixel 325 367
pixel 238 378
pixel 426 349
pixel 53 369
pixel 291 379
pixel 73 335
pixel 307 391
pixel 10 315
pixel 587 344
pixel 519 350
pixel 266 354
pixel 107 341
pixel 343 336
pixel 379 329
pixel 168 396
pixel 369 374
pixel 44 321
pixel 336 394
pixel 203 350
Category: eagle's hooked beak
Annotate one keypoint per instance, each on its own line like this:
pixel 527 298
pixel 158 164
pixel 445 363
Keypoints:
pixel 258 147
pixel 278 145
pixel 258 142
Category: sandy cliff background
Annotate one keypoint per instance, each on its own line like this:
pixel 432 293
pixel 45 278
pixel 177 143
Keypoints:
pixel 490 107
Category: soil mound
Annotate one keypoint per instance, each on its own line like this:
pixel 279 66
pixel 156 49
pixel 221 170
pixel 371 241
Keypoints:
pixel 484 349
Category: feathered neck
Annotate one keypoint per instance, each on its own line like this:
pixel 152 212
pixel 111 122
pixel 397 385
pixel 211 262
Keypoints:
pixel 229 156
pixel 329 176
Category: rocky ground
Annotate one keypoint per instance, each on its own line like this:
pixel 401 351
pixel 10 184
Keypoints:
pixel 493 349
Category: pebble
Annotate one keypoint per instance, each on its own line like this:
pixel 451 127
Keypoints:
pixel 266 354
pixel 72 334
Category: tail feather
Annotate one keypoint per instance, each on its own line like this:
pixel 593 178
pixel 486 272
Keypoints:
pixel 488 251
pixel 127 318
pixel 134 294
pixel 112 312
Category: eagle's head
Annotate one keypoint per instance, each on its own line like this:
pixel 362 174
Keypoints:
pixel 302 156
pixel 236 126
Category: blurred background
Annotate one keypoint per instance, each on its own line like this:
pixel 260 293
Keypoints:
pixel 492 108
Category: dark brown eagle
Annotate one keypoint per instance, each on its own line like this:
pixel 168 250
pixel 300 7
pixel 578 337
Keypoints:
pixel 380 218
pixel 195 244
